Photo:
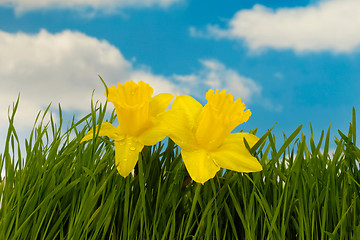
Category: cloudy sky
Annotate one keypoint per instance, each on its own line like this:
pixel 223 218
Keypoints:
pixel 291 62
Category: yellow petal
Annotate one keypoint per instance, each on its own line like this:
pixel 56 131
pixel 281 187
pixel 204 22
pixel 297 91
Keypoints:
pixel 233 154
pixel 250 138
pixel 200 165
pixel 157 128
pixel 190 107
pixel 155 133
pixel 159 103
pixel 177 127
pixel 106 129
pixel 181 121
pixel 126 155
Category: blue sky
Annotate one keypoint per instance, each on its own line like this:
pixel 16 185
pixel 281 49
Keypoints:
pixel 291 62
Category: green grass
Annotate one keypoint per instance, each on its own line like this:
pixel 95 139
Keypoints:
pixel 64 189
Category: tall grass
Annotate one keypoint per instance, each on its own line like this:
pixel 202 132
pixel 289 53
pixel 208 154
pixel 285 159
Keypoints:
pixel 64 189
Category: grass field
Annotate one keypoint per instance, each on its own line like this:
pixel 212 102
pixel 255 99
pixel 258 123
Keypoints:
pixel 64 189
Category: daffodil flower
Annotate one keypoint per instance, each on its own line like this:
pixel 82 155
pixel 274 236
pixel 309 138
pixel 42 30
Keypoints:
pixel 204 134
pixel 140 122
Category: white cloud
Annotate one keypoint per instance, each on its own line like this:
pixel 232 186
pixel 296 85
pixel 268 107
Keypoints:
pixel 278 75
pixel 107 5
pixel 61 68
pixel 216 75
pixel 185 78
pixel 328 25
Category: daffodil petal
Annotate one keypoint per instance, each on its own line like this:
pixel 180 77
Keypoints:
pixel 190 107
pixel 126 155
pixel 181 120
pixel 159 103
pixel 106 129
pixel 250 138
pixel 176 126
pixel 233 154
pixel 200 165
pixel 155 133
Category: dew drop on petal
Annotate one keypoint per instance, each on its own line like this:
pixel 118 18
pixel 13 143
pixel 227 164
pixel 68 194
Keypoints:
pixel 132 148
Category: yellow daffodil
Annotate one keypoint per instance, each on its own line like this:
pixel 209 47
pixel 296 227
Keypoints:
pixel 204 134
pixel 140 122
